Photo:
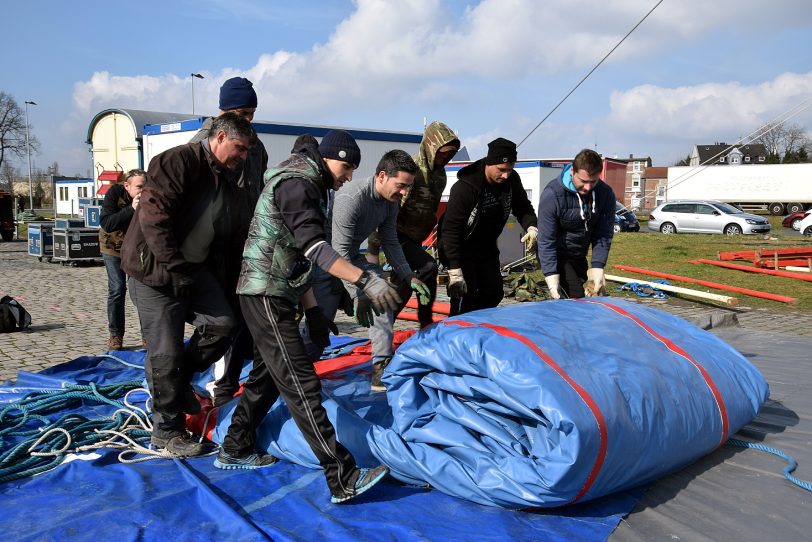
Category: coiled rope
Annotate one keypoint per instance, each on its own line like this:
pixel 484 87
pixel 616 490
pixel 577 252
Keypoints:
pixel 792 464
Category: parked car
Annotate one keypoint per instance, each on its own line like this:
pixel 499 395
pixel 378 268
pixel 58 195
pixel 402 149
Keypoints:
pixel 625 220
pixel 805 227
pixel 705 216
pixel 794 220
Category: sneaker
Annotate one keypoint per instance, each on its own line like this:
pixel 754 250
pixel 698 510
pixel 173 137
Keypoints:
pixel 115 343
pixel 379 364
pixel 183 445
pixel 366 479
pixel 251 461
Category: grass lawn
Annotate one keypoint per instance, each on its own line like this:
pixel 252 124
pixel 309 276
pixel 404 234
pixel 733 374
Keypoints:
pixel 672 254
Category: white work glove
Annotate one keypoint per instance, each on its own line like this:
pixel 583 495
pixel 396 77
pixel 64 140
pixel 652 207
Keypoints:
pixel 553 284
pixel 529 239
pixel 456 284
pixel 598 278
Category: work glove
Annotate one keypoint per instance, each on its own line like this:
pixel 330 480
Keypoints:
pixel 529 239
pixel 554 285
pixel 380 293
pixel 456 284
pixel 362 308
pixel 319 327
pixel 422 291
pixel 182 285
pixel 598 278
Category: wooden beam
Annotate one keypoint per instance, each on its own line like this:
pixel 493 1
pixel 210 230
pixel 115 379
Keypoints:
pixel 727 300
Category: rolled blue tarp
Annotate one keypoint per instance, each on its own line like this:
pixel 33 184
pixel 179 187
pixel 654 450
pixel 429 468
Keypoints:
pixel 552 403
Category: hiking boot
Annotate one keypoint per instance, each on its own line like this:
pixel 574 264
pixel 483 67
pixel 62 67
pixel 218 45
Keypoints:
pixel 251 461
pixel 189 401
pixel 115 343
pixel 183 444
pixel 366 479
pixel 379 364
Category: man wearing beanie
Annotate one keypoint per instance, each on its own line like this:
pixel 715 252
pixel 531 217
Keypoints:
pixel 237 95
pixel 286 242
pixel 576 211
pixel 486 193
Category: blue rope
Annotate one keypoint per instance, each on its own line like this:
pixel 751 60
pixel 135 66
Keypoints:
pixel 17 462
pixel 645 290
pixel 792 464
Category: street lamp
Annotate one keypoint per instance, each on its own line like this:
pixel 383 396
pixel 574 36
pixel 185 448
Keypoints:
pixel 193 76
pixel 28 148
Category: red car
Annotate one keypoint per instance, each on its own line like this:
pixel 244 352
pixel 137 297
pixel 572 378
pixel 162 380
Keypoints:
pixel 794 220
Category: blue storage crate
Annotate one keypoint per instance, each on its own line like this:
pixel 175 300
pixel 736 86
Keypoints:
pixel 41 239
pixel 93 216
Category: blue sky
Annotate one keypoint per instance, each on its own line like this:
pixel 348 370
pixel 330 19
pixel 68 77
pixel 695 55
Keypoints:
pixel 694 71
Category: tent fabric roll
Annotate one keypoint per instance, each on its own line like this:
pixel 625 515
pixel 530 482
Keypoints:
pixel 552 403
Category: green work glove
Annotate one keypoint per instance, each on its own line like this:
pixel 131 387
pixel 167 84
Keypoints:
pixel 422 291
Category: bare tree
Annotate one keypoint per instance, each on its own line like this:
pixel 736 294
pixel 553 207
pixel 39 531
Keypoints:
pixel 782 140
pixel 12 130
pixel 683 161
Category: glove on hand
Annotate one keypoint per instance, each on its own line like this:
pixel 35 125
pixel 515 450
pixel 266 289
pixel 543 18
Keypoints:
pixel 383 297
pixel 553 284
pixel 529 239
pixel 319 327
pixel 364 313
pixel 456 284
pixel 182 285
pixel 423 293
pixel 598 278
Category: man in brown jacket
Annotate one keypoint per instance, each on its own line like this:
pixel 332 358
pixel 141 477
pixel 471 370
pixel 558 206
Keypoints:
pixel 174 254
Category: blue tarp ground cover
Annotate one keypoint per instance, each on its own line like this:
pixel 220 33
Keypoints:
pixel 93 497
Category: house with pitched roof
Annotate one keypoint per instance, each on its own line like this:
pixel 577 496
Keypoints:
pixel 724 154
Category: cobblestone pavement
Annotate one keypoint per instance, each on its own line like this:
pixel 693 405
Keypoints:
pixel 68 311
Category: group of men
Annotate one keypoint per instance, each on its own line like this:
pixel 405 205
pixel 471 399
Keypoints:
pixel 260 259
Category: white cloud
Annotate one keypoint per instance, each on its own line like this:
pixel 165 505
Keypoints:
pixel 708 111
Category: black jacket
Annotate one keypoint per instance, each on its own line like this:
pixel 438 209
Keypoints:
pixel 116 214
pixel 466 231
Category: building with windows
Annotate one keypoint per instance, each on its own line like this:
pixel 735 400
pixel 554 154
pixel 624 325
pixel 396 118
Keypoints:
pixel 68 191
pixel 724 154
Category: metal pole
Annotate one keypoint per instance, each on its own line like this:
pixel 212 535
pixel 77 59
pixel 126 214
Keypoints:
pixel 28 148
pixel 194 76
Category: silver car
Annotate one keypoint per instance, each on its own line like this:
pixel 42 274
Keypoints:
pixel 705 216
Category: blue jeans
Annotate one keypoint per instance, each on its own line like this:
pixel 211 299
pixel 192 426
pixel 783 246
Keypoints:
pixel 116 294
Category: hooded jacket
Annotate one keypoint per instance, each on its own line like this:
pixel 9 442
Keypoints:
pixel 418 209
pixel 568 224
pixel 464 235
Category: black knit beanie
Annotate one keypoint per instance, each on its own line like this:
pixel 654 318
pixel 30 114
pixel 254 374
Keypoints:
pixel 340 145
pixel 501 151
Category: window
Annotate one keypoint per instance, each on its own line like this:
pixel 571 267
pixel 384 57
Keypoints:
pixel 734 159
pixel 746 158
pixel 722 159
pixel 679 208
pixel 636 180
pixel 82 192
pixel 760 158
pixel 660 191
pixel 63 193
pixel 636 166
pixel 704 210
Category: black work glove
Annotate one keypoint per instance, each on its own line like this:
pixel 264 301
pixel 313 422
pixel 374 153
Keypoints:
pixel 319 327
pixel 182 285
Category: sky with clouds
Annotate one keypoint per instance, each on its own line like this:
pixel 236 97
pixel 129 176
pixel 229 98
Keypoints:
pixel 693 71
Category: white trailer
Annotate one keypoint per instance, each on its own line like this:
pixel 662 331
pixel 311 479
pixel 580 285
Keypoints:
pixel 278 140
pixel 780 188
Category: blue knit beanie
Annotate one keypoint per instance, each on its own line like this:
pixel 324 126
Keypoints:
pixel 236 93
pixel 339 145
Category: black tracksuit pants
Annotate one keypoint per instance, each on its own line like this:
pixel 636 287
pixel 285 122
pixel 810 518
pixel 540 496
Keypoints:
pixel 282 367
pixel 483 279
pixel 425 267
